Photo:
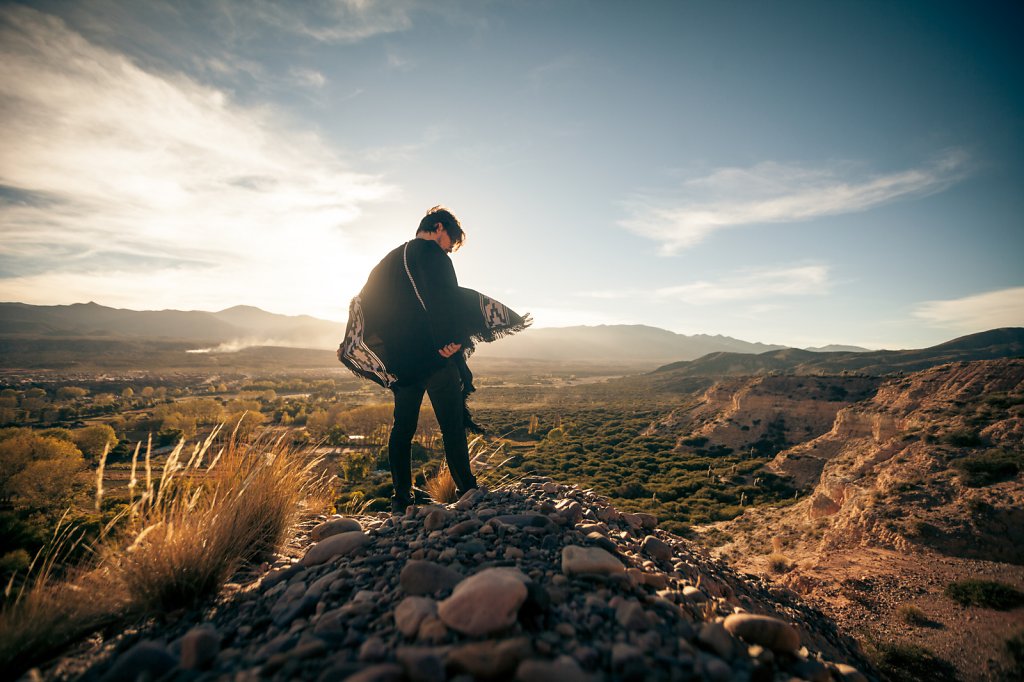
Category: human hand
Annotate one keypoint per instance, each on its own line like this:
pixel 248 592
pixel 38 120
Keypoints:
pixel 450 350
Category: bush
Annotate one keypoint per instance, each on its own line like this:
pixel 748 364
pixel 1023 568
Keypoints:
pixel 1015 647
pixel 986 468
pixel 899 662
pixel 911 615
pixel 779 563
pixel 987 594
pixel 963 438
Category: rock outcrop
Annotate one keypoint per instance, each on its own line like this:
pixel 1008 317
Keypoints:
pixel 537 581
pixel 739 412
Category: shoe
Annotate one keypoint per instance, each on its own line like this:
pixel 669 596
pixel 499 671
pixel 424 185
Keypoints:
pixel 400 506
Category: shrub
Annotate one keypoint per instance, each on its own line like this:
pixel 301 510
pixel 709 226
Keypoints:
pixel 962 438
pixel 986 468
pixel 1015 647
pixel 900 662
pixel 987 594
pixel 779 563
pixel 911 615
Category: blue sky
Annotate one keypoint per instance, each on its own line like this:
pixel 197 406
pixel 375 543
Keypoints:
pixel 787 172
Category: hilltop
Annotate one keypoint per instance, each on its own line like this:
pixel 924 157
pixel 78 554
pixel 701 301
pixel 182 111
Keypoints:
pixel 996 343
pixel 536 581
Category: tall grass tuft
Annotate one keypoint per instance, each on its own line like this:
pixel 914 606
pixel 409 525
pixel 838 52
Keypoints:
pixel 482 455
pixel 204 523
pixel 173 546
pixel 49 610
pixel 441 487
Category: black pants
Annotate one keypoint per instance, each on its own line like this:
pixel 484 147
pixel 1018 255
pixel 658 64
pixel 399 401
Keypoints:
pixel 445 390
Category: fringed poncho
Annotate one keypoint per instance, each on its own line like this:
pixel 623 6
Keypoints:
pixel 411 306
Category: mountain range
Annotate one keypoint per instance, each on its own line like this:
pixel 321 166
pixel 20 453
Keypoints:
pixel 246 326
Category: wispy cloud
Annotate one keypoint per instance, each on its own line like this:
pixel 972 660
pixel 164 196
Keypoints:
pixel 332 21
pixel 99 155
pixel 752 285
pixel 772 192
pixel 980 312
pixel 308 78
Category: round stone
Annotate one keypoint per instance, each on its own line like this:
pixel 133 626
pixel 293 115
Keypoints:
pixel 484 603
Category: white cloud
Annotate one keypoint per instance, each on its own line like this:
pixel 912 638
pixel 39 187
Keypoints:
pixel 753 285
pixel 980 312
pixel 777 193
pixel 103 157
pixel 331 21
pixel 309 78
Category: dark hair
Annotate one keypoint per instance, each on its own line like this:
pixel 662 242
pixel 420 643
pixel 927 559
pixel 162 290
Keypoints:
pixel 440 214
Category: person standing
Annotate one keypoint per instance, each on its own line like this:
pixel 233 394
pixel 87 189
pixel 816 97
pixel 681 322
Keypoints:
pixel 410 329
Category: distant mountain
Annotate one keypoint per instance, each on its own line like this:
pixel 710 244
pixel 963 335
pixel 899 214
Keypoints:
pixel 837 348
pixel 238 327
pixel 994 344
pixel 614 343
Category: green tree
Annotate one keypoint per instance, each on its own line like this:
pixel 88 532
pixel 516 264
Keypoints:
pixel 91 440
pixel 37 472
pixel 71 392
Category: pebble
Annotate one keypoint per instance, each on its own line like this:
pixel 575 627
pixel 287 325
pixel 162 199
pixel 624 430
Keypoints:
pixel 421 664
pixel 562 669
pixel 490 659
pixel 411 612
pixel 537 589
pixel 427 577
pixel 145 659
pixel 199 647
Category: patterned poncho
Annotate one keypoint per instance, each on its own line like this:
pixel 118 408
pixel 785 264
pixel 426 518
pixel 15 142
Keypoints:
pixel 410 307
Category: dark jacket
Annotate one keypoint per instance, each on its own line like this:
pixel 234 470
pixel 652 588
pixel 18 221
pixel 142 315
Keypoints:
pixel 409 332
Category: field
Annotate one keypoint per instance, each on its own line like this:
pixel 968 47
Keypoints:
pixel 583 424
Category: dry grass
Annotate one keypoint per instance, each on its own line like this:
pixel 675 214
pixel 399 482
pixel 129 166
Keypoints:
pixel 486 461
pixel 779 563
pixel 911 615
pixel 48 612
pixel 441 486
pixel 174 545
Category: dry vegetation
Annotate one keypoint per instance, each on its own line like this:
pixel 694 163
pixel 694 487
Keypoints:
pixel 176 542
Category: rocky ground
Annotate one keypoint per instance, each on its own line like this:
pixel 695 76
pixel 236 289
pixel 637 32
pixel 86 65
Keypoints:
pixel 891 520
pixel 538 581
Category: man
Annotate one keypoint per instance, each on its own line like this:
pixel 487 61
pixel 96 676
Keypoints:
pixel 410 330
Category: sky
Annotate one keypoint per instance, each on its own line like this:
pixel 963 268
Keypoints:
pixel 790 172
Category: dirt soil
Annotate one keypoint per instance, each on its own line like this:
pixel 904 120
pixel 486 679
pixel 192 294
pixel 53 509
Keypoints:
pixel 864 588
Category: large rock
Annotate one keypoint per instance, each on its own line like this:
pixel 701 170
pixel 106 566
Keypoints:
pixel 333 527
pixel 425 577
pixel 589 560
pixel 484 603
pixel 657 549
pixel 342 544
pixel 769 632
